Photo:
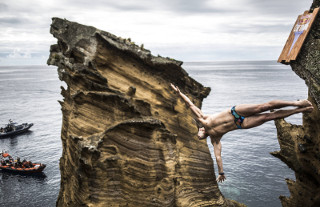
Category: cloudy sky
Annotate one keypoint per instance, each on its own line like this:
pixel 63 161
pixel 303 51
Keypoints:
pixel 186 30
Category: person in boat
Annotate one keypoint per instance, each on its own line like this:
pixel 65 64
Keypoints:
pixel 25 164
pixel 18 162
pixel 5 154
pixel 8 160
pixel 6 157
pixel 11 160
pixel 8 128
pixel 2 161
pixel 243 116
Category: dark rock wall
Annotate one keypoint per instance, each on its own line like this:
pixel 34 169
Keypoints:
pixel 300 145
pixel 128 140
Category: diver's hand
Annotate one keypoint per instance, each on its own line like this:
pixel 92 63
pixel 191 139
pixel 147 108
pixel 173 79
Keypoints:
pixel 221 178
pixel 175 88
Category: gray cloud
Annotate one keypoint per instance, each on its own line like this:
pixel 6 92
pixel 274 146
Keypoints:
pixel 11 21
pixel 3 7
pixel 180 6
pixel 25 24
pixel 281 7
pixel 124 5
pixel 4 54
pixel 191 6
pixel 258 28
pixel 271 7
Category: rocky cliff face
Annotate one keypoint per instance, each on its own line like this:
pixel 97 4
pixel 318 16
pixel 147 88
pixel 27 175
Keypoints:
pixel 127 139
pixel 300 145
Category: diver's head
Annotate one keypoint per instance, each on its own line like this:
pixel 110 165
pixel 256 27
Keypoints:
pixel 202 133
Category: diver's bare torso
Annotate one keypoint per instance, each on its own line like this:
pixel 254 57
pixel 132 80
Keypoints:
pixel 217 125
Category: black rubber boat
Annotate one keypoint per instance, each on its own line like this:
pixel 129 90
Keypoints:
pixel 12 129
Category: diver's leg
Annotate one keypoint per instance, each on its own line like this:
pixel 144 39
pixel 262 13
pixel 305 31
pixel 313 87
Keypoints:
pixel 252 109
pixel 258 119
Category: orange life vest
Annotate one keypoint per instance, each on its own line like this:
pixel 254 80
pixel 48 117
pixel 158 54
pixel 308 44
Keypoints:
pixel 5 155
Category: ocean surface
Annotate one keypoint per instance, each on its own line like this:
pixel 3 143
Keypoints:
pixel 254 177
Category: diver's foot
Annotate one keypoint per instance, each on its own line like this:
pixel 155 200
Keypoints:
pixel 303 103
pixel 308 109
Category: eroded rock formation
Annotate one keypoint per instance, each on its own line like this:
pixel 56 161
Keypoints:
pixel 127 139
pixel 300 145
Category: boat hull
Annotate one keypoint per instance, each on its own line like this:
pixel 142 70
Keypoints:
pixel 37 168
pixel 25 128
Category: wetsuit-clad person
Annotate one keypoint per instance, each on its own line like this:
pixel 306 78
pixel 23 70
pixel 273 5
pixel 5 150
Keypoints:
pixel 243 116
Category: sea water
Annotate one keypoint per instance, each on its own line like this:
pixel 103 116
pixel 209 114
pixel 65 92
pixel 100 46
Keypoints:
pixel 254 177
pixel 30 94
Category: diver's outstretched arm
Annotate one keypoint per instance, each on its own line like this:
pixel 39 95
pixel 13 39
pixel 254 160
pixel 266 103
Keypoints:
pixel 217 147
pixel 193 108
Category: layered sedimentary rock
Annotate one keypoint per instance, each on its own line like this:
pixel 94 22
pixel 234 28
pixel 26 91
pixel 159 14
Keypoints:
pixel 300 145
pixel 128 140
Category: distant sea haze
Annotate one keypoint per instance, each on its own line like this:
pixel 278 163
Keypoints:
pixel 254 177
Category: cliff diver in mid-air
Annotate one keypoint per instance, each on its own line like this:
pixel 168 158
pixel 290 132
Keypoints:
pixel 243 116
